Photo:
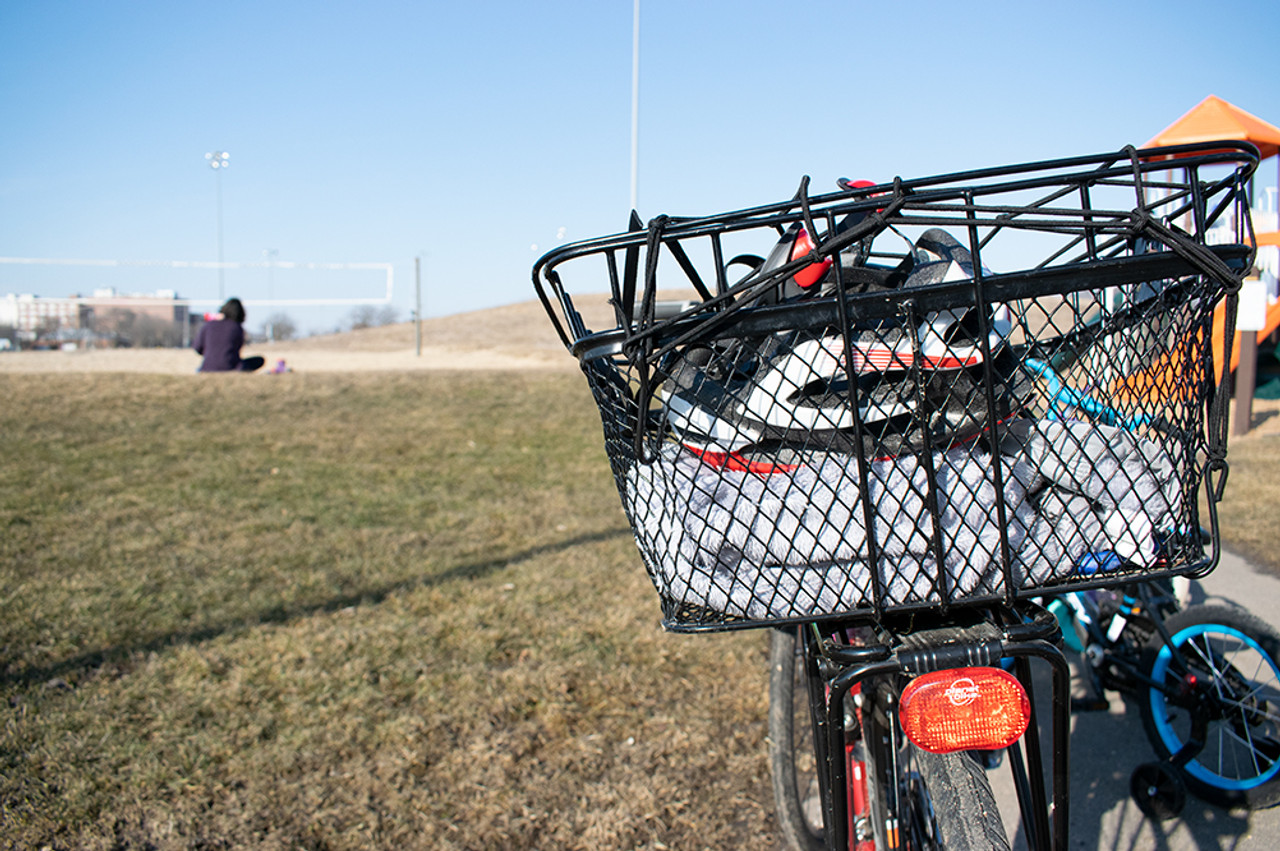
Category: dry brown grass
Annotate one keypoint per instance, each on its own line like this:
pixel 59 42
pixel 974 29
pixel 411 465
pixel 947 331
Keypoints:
pixel 1249 512
pixel 348 611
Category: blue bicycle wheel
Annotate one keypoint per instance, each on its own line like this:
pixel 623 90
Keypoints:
pixel 1223 688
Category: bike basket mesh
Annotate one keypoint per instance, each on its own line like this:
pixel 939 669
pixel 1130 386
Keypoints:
pixel 868 415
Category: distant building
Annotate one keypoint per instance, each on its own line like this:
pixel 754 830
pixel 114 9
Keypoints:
pixel 31 315
pixel 107 316
pixel 164 305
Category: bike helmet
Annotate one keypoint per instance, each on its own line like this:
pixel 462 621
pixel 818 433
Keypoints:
pixel 914 387
pixel 796 242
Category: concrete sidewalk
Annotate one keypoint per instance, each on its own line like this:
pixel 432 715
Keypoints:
pixel 1106 746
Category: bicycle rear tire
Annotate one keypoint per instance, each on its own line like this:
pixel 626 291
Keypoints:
pixel 964 807
pixel 944 801
pixel 1236 657
pixel 792 757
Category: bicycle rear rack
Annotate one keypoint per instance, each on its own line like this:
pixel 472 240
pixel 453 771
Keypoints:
pixel 1029 632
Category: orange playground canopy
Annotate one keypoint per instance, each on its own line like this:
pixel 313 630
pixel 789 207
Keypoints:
pixel 1213 119
pixel 1208 121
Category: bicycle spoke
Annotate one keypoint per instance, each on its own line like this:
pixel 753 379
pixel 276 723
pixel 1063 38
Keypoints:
pixel 1225 729
pixel 1251 694
pixel 1206 656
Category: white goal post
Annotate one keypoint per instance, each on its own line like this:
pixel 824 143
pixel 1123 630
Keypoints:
pixel 387 269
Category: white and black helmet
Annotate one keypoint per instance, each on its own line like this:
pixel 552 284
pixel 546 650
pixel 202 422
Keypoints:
pixel 915 386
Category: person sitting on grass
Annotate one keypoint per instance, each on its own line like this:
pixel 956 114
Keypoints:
pixel 220 339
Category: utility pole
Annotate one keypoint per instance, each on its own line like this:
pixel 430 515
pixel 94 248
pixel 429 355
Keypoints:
pixel 635 105
pixel 417 311
pixel 218 161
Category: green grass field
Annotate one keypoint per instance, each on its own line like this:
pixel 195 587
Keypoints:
pixel 363 611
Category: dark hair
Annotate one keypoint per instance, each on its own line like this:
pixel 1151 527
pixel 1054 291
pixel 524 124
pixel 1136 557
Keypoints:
pixel 233 310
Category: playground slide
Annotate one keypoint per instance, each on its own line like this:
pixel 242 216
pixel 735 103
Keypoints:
pixel 1161 381
pixel 1219 322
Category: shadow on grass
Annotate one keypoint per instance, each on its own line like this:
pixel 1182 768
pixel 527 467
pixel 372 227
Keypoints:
pixel 72 669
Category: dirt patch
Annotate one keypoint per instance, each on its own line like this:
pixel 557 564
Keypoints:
pixel 512 337
pixel 516 336
pixel 298 358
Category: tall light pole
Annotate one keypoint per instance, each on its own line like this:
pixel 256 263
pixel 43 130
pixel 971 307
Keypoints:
pixel 417 309
pixel 218 161
pixel 635 103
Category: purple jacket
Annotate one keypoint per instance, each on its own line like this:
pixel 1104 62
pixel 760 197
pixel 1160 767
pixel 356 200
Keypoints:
pixel 219 341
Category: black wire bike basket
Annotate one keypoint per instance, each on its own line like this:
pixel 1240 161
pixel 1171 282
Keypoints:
pixel 839 406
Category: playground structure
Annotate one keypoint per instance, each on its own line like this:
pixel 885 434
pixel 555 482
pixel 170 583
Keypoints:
pixel 1210 120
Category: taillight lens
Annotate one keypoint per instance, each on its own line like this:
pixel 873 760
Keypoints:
pixel 964 709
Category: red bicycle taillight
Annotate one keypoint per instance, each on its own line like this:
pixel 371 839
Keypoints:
pixel 964 709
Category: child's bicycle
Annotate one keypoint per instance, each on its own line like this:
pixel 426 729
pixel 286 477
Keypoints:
pixel 1206 682
pixel 1205 678
pixel 846 438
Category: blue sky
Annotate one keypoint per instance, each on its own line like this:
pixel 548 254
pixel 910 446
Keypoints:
pixel 469 132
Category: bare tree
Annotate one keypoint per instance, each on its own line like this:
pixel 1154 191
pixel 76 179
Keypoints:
pixel 369 316
pixel 278 326
pixel 364 316
pixel 124 327
pixel 154 332
pixel 47 328
pixel 115 326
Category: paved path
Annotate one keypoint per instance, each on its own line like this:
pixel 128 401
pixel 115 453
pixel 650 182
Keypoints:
pixel 1106 746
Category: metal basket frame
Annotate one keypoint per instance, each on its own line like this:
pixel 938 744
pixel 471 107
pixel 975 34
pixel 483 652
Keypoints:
pixel 1167 228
